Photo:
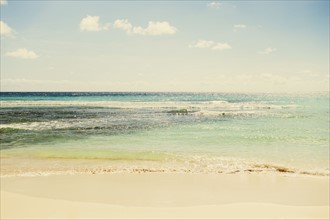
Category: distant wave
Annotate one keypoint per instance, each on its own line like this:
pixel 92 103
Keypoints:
pixel 151 104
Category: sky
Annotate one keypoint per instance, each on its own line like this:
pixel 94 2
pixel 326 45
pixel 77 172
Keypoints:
pixel 170 46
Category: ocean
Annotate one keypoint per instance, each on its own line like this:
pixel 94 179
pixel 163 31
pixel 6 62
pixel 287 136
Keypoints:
pixel 44 133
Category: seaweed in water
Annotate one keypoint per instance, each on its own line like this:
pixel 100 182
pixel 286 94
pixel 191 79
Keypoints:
pixel 179 112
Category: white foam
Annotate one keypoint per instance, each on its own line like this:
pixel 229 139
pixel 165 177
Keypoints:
pixel 60 124
pixel 150 105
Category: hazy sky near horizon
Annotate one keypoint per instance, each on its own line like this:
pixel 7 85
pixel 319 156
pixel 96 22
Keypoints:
pixel 196 46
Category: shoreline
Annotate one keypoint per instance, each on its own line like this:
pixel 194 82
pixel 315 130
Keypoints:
pixel 20 166
pixel 165 195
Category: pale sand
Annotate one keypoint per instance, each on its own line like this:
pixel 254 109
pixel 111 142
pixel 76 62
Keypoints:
pixel 165 195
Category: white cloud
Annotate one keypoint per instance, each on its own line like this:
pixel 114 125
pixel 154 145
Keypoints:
pixel 240 26
pixel 159 28
pixel 221 46
pixel 22 53
pixel 5 30
pixel 91 23
pixel 153 28
pixel 267 51
pixel 203 44
pixel 3 2
pixel 123 24
pixel 214 5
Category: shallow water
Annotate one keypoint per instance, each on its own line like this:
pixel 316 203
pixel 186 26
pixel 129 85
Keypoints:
pixel 189 132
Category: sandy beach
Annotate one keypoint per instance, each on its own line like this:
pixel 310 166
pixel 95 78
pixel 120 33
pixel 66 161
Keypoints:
pixel 165 195
pixel 184 109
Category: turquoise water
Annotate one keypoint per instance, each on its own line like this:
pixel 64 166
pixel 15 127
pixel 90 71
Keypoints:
pixel 188 132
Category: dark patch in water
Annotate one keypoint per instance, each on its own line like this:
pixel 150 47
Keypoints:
pixel 42 114
pixel 8 130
